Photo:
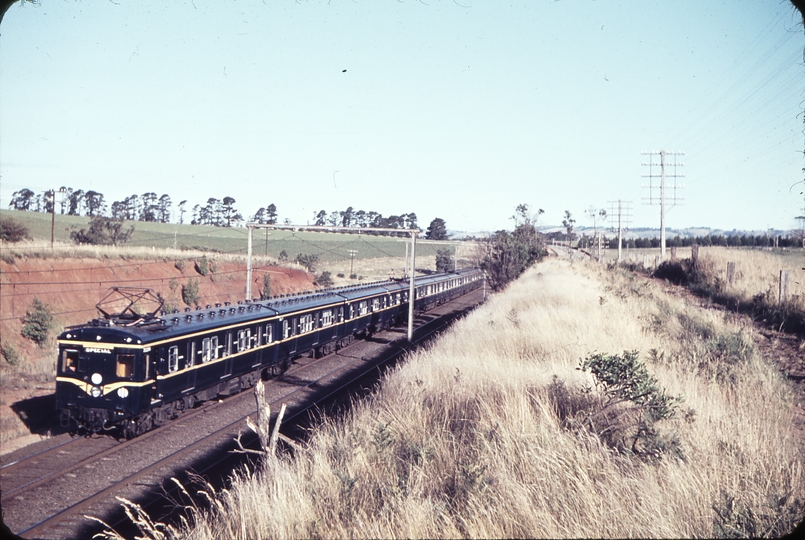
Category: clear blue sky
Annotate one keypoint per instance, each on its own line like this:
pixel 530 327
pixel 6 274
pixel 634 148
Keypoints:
pixel 457 109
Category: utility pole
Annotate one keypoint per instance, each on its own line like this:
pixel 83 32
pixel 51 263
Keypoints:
pixel 413 232
pixel 352 253
pixel 662 199
pixel 53 214
pixel 621 215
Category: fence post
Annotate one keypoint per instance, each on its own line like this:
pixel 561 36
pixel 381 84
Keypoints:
pixel 785 275
pixel 694 252
pixel 673 253
pixel 730 272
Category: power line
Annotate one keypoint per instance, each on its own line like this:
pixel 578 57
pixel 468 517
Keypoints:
pixel 662 196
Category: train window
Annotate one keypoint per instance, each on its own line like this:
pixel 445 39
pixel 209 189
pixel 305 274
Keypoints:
pixel 228 347
pixel 363 307
pixel 125 366
pixel 69 361
pixel 147 366
pixel 173 359
pixel 269 334
pixel 244 340
pixel 205 350
pixel 286 329
pixel 191 354
pixel 306 323
pixel 340 315
pixel 375 304
pixel 327 317
pixel 214 346
pixel 259 336
pixel 351 311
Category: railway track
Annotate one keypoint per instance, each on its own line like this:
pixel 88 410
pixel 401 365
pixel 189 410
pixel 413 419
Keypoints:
pixel 48 494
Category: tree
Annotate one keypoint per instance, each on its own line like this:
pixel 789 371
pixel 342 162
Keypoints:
pixel 22 199
pixel 444 260
pixel 94 203
pixel 265 294
pixel 229 212
pixel 321 218
pixel 568 223
pixel 74 200
pixel 182 211
pixel 437 230
pixel 164 206
pixel 103 231
pixel 504 255
pixel 271 214
pixel 13 231
pixel 149 208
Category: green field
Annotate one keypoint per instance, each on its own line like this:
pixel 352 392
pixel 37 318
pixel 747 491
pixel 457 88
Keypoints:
pixel 329 247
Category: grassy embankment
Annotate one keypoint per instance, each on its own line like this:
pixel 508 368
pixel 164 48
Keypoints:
pixel 755 285
pixel 475 436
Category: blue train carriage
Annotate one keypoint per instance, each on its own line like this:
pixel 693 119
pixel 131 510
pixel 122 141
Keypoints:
pixel 137 372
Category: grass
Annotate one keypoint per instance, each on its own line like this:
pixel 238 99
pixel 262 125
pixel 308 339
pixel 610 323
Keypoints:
pixel 173 239
pixel 473 436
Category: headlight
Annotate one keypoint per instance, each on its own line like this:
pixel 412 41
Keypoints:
pixel 95 392
pixel 123 392
pixel 96 378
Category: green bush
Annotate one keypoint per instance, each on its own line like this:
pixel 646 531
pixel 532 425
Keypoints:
pixel 444 260
pixel 308 261
pixel 179 265
pixel 265 294
pixel 13 231
pixel 631 407
pixel 203 266
pixel 190 292
pixel 324 280
pixel 103 231
pixel 10 353
pixel 37 323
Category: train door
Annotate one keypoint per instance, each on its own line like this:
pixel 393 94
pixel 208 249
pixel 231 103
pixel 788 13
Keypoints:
pixel 190 361
pixel 228 353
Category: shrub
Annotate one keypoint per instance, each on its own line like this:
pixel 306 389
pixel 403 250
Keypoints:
pixel 13 231
pixel 179 265
pixel 10 353
pixel 203 266
pixel 324 280
pixel 308 261
pixel 103 231
pixel 283 256
pixel 173 284
pixel 265 294
pixel 632 405
pixel 37 323
pixel 190 292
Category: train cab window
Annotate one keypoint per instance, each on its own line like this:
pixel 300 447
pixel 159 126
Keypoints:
pixel 327 317
pixel 191 354
pixel 173 359
pixel 269 334
pixel 125 366
pixel 69 361
pixel 244 340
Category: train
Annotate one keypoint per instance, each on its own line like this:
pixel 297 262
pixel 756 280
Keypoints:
pixel 134 373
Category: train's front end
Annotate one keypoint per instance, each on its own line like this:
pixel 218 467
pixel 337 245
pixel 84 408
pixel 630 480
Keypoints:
pixel 104 377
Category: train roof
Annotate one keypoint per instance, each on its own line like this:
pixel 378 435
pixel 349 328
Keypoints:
pixel 189 321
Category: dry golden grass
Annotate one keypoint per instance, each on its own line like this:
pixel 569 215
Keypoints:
pixel 756 271
pixel 471 438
